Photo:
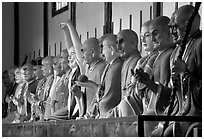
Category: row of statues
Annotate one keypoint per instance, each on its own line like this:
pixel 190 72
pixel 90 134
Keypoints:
pixel 108 77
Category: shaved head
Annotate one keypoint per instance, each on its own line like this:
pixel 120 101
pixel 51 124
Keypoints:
pixel 64 54
pixel 147 23
pixel 92 43
pixel 127 42
pixel 179 20
pixel 129 35
pixel 48 60
pixel 160 22
pixel 110 40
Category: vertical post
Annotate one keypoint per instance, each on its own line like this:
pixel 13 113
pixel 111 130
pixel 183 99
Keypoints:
pixel 87 34
pixel 108 16
pixel 112 27
pixel 49 49
pixel 130 24
pixel 55 49
pixel 33 54
pixel 140 126
pixel 73 13
pixel 140 46
pixel 60 47
pixel 16 33
pixel 157 9
pixel 176 5
pixel 45 28
pixel 120 26
pixel 150 12
pixel 96 32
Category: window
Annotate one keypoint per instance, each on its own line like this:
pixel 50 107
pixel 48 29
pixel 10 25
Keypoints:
pixel 59 7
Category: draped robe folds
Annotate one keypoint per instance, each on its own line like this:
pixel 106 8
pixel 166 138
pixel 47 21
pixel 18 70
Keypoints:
pixel 126 107
pixel 37 110
pixel 29 89
pixel 46 103
pixel 110 95
pixel 63 113
pixel 94 74
pixel 161 74
pixel 192 89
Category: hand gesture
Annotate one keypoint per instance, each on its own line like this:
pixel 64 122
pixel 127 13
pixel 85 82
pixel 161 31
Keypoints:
pixel 141 76
pixel 64 25
pixel 88 84
pixel 75 90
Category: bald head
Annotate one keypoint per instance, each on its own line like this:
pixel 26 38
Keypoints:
pixel 92 44
pixel 129 35
pixel 127 42
pixel 146 41
pixel 110 40
pixel 160 22
pixel 160 33
pixel 57 59
pixel 48 60
pixel 181 17
pixel 101 39
pixel 64 54
pixel 147 23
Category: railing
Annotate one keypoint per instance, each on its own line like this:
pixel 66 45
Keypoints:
pixel 142 118
pixel 110 127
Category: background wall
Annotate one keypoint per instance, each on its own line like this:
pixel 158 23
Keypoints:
pixel 7 35
pixel 31 29
pixel 89 15
pixel 56 35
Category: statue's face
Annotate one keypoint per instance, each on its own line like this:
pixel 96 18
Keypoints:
pixel 28 72
pixel 57 68
pixel 87 54
pixel 159 36
pixel 72 59
pixel 145 37
pixel 38 72
pixel 47 69
pixel 106 50
pixel 11 76
pixel 18 76
pixel 64 64
pixel 5 79
pixel 124 44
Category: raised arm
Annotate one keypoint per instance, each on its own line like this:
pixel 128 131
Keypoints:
pixel 68 27
pixel 67 35
pixel 70 31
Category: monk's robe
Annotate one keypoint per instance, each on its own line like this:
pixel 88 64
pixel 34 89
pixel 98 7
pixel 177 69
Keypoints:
pixel 94 74
pixel 161 74
pixel 70 111
pixel 126 75
pixel 109 92
pixel 143 92
pixel 190 93
pixel 37 110
pixel 45 103
pixel 62 92
pixel 30 88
